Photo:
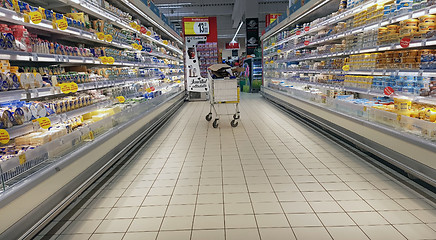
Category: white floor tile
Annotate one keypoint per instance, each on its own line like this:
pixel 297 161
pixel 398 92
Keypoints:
pixel 268 178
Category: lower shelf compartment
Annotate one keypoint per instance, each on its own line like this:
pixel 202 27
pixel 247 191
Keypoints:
pixel 412 154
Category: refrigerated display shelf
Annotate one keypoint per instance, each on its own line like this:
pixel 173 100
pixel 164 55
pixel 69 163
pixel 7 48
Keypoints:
pixel 414 44
pixel 371 92
pixel 55 91
pixel 97 11
pixel 375 72
pixel 385 22
pixel 331 20
pixel 55 58
pixel 10 16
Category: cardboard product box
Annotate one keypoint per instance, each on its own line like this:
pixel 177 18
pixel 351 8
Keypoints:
pixel 220 70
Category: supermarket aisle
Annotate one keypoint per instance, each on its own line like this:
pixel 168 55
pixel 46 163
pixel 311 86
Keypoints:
pixel 269 178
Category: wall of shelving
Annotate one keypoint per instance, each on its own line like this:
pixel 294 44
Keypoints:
pixel 372 61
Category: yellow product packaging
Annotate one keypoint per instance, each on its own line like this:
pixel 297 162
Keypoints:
pixel 402 105
pixel 427 18
pixel 409 23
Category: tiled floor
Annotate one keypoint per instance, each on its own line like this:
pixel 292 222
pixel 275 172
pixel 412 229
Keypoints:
pixel 269 178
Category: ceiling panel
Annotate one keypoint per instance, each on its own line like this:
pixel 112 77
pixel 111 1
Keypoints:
pixel 175 10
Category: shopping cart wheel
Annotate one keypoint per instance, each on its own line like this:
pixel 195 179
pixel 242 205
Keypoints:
pixel 215 123
pixel 234 123
pixel 209 117
pixel 235 116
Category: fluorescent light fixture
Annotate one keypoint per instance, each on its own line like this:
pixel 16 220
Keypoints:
pixel 172 4
pixel 151 20
pixel 237 31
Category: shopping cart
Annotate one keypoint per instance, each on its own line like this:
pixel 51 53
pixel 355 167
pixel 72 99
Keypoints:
pixel 223 91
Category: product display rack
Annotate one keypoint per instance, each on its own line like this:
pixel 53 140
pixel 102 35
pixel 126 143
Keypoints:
pixel 313 62
pixel 255 73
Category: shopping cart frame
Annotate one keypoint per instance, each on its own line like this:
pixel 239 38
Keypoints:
pixel 213 101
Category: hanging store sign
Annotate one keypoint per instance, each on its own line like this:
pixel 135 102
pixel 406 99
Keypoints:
pixel 196 26
pixel 252 31
pixel 232 45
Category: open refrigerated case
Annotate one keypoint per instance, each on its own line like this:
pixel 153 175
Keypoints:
pixel 365 72
pixel 82 85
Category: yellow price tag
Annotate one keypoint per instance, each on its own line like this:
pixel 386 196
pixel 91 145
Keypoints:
pixel 65 87
pixel 110 60
pixel 138 28
pixel 148 33
pixel 165 42
pixel 273 43
pixel 148 90
pixel 100 36
pixel 74 87
pixel 108 38
pixel 135 46
pixel 35 17
pixel 271 62
pixel 178 81
pixel 44 122
pixel 346 68
pixel 103 60
pixel 4 136
pixel 139 47
pixel 121 99
pixel 279 51
pixel 22 158
pixel 91 135
pixel 62 24
pixel 133 25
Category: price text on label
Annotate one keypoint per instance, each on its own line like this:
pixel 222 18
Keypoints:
pixel 62 24
pixel 4 136
pixel 196 28
pixel 65 88
pixel 35 17
pixel 74 87
pixel 44 122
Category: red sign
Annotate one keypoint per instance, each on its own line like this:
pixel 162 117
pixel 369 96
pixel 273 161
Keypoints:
pixel 232 45
pixel 298 32
pixel 306 43
pixel 388 91
pixel 143 30
pixel 152 88
pixel 405 42
pixel 306 29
